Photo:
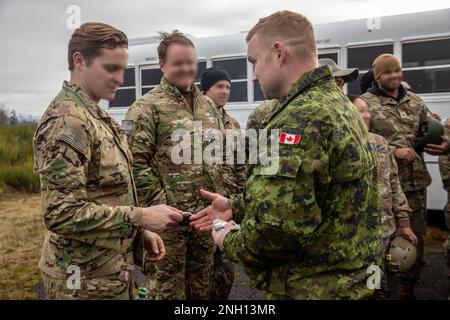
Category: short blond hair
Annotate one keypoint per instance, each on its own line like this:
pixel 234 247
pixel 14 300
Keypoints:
pixel 290 27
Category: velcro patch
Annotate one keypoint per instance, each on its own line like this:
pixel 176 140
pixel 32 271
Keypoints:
pixel 75 142
pixel 127 126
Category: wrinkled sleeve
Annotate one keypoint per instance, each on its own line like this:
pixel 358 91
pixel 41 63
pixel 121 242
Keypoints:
pixel 142 140
pixel 444 163
pixel 285 210
pixel 63 152
pixel 400 204
pixel 234 176
pixel 383 126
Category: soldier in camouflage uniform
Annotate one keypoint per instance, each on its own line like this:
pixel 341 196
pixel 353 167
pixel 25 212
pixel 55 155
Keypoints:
pixel 397 115
pixel 257 116
pixel 444 168
pixel 311 228
pixel 88 195
pixel 176 104
pixel 394 206
pixel 216 85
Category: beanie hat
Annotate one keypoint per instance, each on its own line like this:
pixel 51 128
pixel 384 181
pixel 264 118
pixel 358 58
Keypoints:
pixel 384 63
pixel 211 76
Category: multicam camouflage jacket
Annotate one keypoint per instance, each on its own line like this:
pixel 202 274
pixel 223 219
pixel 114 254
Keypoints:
pixel 312 228
pixel 235 176
pixel 444 162
pixel 88 194
pixel 394 205
pixel 154 118
pixel 399 123
pixel 257 116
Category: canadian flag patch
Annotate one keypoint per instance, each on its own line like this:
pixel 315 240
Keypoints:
pixel 287 138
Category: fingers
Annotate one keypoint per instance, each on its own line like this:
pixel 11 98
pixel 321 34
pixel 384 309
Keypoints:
pixel 414 239
pixel 162 247
pixel 415 155
pixel 199 214
pixel 154 244
pixel 205 226
pixel 178 217
pixel 202 220
pixel 208 195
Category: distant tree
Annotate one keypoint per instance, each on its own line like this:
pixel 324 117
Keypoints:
pixel 13 118
pixel 3 114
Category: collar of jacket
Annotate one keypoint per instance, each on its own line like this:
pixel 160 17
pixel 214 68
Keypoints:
pixel 387 99
pixel 173 90
pixel 305 81
pixel 90 104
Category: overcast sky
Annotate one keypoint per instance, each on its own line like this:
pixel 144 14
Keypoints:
pixel 34 33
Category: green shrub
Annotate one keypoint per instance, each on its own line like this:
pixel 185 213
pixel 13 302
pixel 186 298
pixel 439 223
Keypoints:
pixel 16 158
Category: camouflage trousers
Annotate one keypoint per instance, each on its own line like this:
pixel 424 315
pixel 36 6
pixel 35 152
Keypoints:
pixel 417 200
pixel 185 271
pixel 222 277
pixel 350 285
pixel 115 287
pixel 384 266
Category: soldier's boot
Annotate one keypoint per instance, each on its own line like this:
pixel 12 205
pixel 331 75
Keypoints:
pixel 406 289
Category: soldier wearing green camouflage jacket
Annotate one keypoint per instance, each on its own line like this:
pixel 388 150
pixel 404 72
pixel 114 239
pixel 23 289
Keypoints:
pixel 397 115
pixel 88 196
pixel 312 227
pixel 176 106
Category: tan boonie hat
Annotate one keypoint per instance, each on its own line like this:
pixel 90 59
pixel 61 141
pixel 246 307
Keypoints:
pixel 349 75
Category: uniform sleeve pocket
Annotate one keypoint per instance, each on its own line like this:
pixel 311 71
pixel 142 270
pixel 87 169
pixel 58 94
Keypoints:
pixel 279 167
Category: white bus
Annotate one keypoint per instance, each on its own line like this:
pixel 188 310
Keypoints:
pixel 420 40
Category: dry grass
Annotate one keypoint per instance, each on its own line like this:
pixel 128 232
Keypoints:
pixel 21 237
pixel 434 239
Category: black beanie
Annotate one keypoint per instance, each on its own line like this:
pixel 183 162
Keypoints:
pixel 211 76
pixel 366 81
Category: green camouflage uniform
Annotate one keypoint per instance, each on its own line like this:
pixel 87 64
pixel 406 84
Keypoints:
pixel 185 272
pixel 394 206
pixel 312 229
pixel 444 168
pixel 398 122
pixel 88 194
pixel 234 179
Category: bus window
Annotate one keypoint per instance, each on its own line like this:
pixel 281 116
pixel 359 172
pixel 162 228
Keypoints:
pixel 332 56
pixel 237 69
pixel 201 68
pixel 362 57
pixel 426 65
pixel 257 92
pixel 126 93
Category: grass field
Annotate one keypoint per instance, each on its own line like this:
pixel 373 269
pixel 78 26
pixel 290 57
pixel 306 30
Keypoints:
pixel 16 158
pixel 21 237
